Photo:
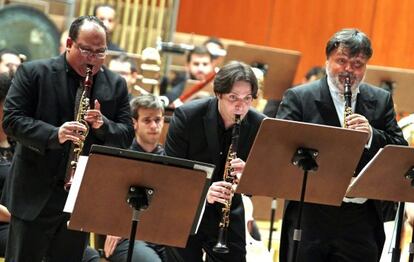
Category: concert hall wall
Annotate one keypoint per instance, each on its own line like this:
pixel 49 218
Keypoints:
pixel 306 25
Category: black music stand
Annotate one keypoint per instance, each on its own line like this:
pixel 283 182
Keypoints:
pixel 110 176
pixel 400 78
pixel 281 65
pixel 388 176
pixel 281 146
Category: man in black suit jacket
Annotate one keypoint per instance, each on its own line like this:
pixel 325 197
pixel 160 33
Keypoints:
pixel 354 231
pixel 201 130
pixel 39 115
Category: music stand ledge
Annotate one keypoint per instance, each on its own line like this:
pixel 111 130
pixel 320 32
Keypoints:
pixel 173 214
pixel 269 170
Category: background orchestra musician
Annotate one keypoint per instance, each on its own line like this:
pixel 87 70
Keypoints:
pixel 354 231
pixel 198 67
pixel 201 130
pixel 9 61
pixel 38 114
pixel 126 67
pixel 107 14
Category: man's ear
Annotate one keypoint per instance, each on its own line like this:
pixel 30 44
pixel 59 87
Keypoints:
pixel 134 123
pixel 69 43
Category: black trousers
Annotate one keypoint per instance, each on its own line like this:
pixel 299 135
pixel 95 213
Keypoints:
pixel 46 238
pixel 193 252
pixel 348 233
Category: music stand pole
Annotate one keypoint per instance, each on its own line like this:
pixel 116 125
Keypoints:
pixel 272 220
pixel 138 198
pixel 396 251
pixel 304 158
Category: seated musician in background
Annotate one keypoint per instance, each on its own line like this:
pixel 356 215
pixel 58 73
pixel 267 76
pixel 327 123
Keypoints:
pixel 126 67
pixel 201 130
pixel 313 74
pixel 9 61
pixel 6 154
pixel 353 231
pixel 148 116
pixel 107 14
pixel 198 67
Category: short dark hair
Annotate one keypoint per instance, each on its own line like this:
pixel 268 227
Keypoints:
pixel 8 51
pixel 199 50
pixel 352 39
pixel 76 25
pixel 231 73
pixel 95 9
pixel 148 101
pixel 5 82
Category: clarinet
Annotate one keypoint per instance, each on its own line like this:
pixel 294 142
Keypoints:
pixel 83 107
pixel 348 99
pixel 221 245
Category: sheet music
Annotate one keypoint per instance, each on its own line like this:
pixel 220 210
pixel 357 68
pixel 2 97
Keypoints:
pixel 77 180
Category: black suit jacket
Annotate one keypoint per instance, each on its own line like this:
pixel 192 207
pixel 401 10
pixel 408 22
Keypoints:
pixel 36 105
pixel 313 103
pixel 193 134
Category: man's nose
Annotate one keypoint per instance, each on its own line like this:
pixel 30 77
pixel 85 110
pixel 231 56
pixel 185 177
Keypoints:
pixel 349 68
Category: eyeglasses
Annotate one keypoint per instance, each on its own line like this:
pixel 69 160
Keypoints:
pixel 234 98
pixel 86 52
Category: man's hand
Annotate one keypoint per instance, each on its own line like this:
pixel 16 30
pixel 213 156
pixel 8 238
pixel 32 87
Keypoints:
pixel 359 122
pixel 71 131
pixel 219 191
pixel 94 116
pixel 110 245
pixel 238 166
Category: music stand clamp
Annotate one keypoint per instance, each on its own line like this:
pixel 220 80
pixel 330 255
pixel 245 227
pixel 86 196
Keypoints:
pixel 304 158
pixel 138 198
pixel 410 175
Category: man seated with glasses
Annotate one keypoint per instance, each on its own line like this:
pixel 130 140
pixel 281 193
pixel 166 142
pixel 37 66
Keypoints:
pixel 201 130
pixel 39 113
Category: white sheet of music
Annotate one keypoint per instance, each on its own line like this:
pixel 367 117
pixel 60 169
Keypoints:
pixel 77 180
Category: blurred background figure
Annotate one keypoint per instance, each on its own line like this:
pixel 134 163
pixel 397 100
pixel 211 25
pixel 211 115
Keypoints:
pixel 216 49
pixel 315 73
pixel 62 41
pixel 198 67
pixel 107 14
pixel 126 67
pixel 6 154
pixel 9 61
